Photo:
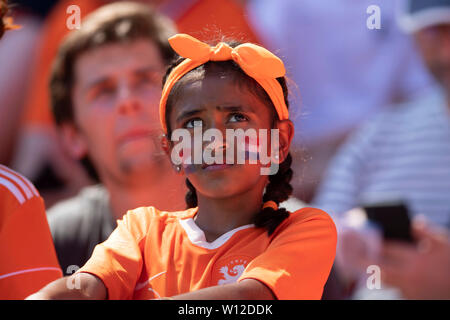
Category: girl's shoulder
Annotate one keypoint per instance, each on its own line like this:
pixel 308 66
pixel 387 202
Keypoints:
pixel 308 213
pixel 307 218
pixel 149 215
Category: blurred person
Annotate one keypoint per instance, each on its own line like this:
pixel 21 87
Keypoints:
pixel 27 255
pixel 39 154
pixel 422 272
pixel 406 271
pixel 404 153
pixel 105 88
pixel 16 52
pixel 346 72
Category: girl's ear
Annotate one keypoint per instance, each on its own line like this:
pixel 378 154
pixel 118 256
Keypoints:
pixel 286 134
pixel 73 141
pixel 165 144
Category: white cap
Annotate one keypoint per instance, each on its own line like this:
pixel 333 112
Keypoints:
pixel 418 14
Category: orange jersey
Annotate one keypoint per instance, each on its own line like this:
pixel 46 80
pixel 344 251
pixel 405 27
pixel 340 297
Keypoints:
pixel 154 254
pixel 27 255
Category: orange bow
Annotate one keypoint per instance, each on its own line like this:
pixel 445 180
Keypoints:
pixel 255 61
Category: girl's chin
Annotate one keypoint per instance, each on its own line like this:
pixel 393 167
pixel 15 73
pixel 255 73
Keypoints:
pixel 224 188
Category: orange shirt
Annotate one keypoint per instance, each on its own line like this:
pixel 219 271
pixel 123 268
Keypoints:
pixel 27 256
pixel 156 254
pixel 205 19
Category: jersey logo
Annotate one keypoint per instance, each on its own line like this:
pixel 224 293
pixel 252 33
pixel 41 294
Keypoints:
pixel 229 270
pixel 231 276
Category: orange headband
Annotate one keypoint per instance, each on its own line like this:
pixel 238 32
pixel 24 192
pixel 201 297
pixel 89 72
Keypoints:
pixel 257 62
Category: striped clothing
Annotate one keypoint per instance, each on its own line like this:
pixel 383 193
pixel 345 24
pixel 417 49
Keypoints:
pixel 27 255
pixel 402 154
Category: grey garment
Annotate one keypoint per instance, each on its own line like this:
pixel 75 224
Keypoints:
pixel 79 224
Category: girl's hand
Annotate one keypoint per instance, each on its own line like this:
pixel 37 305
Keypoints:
pixel 79 286
pixel 247 289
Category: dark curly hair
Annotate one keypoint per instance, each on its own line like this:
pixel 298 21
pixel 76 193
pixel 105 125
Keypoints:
pixel 279 188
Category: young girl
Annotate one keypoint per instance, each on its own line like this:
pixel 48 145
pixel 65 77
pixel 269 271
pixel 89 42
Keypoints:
pixel 233 242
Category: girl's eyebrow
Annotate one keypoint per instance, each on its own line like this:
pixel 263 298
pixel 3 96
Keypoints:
pixel 230 108
pixel 188 114
pixel 234 109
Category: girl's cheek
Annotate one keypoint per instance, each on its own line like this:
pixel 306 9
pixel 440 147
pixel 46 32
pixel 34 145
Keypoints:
pixel 187 163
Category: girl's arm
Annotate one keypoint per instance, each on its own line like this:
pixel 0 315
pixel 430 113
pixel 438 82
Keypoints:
pixel 92 288
pixel 79 286
pixel 248 289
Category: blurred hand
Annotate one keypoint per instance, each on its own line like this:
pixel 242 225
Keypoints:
pixel 420 271
pixel 357 246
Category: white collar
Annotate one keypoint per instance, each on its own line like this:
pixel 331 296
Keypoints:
pixel 197 236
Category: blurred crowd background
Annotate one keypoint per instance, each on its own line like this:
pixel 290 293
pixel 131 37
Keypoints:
pixel 368 106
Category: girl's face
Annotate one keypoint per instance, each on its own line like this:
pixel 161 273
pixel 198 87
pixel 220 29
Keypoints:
pixel 219 102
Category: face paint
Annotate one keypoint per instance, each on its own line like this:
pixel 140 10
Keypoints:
pixel 251 150
pixel 186 160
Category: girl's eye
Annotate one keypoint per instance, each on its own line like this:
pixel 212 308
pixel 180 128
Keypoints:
pixel 238 117
pixel 196 122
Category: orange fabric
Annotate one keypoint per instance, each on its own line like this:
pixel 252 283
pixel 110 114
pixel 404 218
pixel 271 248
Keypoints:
pixel 257 62
pixel 155 254
pixel 211 19
pixel 27 255
pixel 225 15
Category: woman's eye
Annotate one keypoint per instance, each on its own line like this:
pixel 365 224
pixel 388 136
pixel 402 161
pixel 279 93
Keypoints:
pixel 237 117
pixel 193 123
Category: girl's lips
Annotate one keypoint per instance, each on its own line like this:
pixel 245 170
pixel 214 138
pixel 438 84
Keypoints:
pixel 214 167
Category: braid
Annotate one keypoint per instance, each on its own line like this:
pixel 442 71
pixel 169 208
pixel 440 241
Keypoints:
pixel 278 190
pixel 191 195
